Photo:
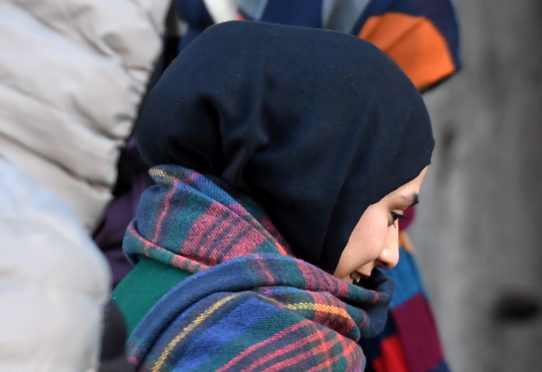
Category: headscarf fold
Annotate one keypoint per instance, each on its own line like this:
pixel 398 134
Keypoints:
pixel 315 125
pixel 250 305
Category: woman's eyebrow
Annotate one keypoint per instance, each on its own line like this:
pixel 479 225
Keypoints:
pixel 413 198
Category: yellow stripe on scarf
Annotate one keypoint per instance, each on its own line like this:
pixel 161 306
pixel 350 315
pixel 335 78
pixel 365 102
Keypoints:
pixel 160 362
pixel 319 307
pixel 160 173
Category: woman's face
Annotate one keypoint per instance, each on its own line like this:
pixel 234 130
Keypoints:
pixel 374 242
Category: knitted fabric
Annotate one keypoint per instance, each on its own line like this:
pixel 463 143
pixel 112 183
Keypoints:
pixel 421 36
pixel 250 305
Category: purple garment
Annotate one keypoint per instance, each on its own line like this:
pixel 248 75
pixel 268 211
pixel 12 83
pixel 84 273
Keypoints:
pixel 133 180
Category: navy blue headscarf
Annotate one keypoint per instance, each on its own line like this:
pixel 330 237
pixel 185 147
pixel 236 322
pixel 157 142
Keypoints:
pixel 315 125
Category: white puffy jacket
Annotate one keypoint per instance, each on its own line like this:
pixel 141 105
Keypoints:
pixel 72 74
pixel 53 282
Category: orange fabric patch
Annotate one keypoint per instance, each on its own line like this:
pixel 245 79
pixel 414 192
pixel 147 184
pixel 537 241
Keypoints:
pixel 392 358
pixel 404 241
pixel 414 43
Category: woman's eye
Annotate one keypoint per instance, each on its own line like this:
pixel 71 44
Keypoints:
pixel 396 216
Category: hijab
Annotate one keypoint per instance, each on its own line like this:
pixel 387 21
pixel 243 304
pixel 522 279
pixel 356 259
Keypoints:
pixel 314 125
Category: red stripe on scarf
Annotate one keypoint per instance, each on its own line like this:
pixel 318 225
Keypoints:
pixel 291 347
pixel 349 348
pixel 254 347
pixel 167 203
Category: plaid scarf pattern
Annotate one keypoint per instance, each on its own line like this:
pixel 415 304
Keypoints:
pixel 250 305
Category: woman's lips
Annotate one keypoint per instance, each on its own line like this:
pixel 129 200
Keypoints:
pixel 358 277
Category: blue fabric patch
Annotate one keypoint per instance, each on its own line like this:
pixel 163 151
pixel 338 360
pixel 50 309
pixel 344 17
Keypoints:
pixel 407 279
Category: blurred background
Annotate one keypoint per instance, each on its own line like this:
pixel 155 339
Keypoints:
pixel 477 235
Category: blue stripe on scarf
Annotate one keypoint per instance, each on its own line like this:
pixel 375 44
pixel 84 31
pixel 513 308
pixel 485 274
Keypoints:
pixel 227 329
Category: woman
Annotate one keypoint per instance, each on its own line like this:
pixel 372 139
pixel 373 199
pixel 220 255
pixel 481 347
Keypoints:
pixel 272 142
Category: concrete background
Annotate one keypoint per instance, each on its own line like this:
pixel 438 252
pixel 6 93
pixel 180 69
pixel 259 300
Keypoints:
pixel 479 229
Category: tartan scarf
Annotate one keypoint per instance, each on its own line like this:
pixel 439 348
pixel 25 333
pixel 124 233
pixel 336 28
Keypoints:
pixel 250 305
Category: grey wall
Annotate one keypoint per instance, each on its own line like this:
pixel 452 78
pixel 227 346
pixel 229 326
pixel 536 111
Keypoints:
pixel 479 229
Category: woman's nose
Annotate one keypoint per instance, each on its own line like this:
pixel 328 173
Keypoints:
pixel 389 257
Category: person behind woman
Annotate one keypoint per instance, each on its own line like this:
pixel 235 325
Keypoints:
pixel 54 283
pixel 281 170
